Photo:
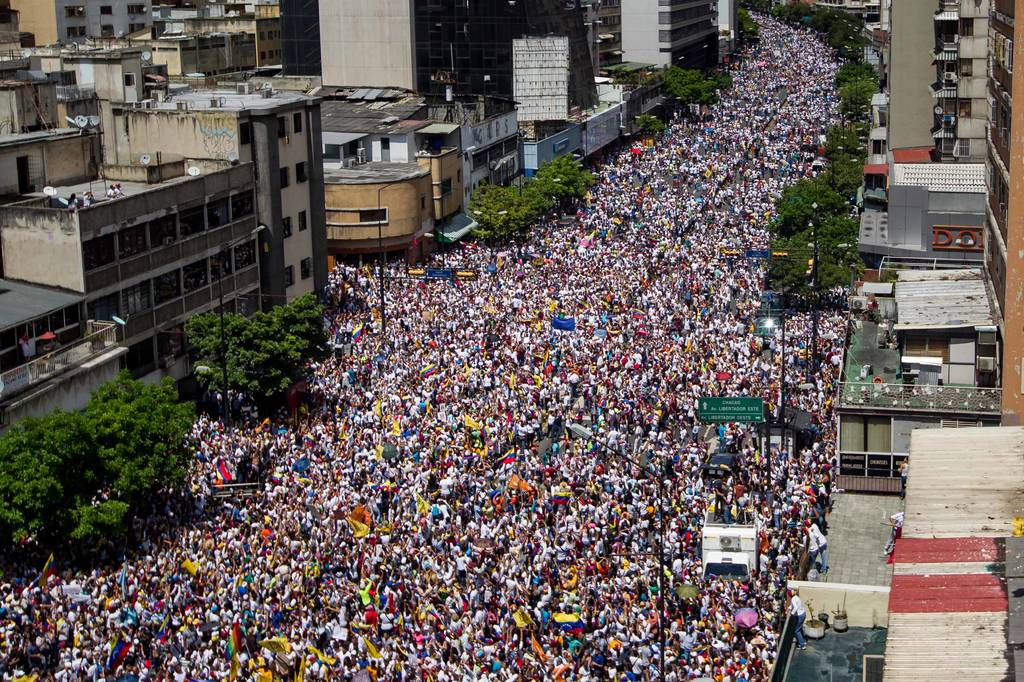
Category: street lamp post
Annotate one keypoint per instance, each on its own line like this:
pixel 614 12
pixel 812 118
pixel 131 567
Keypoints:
pixel 380 253
pixel 813 357
pixel 226 249
pixel 586 434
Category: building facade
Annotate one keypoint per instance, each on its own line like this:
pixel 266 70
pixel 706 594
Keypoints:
pixel 961 80
pixel 280 134
pixel 72 21
pixel 670 32
pixel 911 70
pixel 609 50
pixel 300 37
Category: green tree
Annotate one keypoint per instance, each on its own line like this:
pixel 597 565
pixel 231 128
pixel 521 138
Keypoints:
pixel 650 125
pixel 837 256
pixel 804 201
pixel 564 178
pixel 856 71
pixel 689 86
pixel 266 353
pixel 855 99
pixel 747 28
pixel 501 211
pixel 80 476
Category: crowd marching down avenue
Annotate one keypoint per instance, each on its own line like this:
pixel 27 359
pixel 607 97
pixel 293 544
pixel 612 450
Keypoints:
pixel 429 516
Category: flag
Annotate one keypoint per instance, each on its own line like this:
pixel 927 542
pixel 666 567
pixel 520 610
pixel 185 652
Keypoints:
pixel 122 580
pixel 359 529
pixel 165 630
pixel 509 458
pixel 233 672
pixel 301 465
pixel 48 570
pixel 421 505
pixel 321 656
pixel 118 652
pixel 568 622
pixel 222 469
pixel 561 495
pixel 428 371
pixel 538 649
pixel 371 649
pixel 191 566
pixel 377 409
pixel 565 324
pixel 277 645
pixel 357 334
pixel 472 424
pixel 522 618
pixel 396 427
pixel 27 678
pixel 300 676
pixel 235 643
pixel 517 483
pixel 264 426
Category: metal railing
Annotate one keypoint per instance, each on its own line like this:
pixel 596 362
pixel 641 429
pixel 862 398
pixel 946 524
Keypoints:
pixel 70 93
pixel 921 398
pixel 98 338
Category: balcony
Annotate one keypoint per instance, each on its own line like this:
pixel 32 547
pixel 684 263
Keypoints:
pixel 75 93
pixel 99 337
pixel 916 398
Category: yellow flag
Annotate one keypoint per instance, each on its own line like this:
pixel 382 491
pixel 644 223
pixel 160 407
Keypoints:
pixel 421 505
pixel 190 566
pixel 360 529
pixel 300 676
pixel 522 618
pixel 27 678
pixel 233 673
pixel 471 423
pixel 265 676
pixel 377 408
pixel 321 656
pixel 278 645
pixel 371 649
pixel 396 427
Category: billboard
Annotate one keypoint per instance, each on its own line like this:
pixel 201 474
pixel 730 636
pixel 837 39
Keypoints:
pixel 602 129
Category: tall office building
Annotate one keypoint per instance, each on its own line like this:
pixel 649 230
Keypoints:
pixel 300 36
pixel 670 32
pixel 466 46
pixel 1004 241
pixel 72 21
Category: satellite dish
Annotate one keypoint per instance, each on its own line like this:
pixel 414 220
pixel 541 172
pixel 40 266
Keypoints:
pixel 194 171
pixel 232 156
pixel 81 121
pixel 144 160
pixel 26 53
pixel 117 319
pixel 147 55
pixel 71 121
pixel 938 111
pixel 50 191
pixel 94 121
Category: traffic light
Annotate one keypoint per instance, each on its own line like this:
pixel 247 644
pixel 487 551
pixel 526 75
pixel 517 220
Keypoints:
pixel 810 267
pixel 802 354
pixel 780 254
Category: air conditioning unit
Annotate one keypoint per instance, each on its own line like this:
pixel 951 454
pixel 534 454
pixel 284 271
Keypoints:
pixel 986 338
pixel 986 364
pixel 243 89
pixel 951 77
pixel 729 543
pixel 361 155
pixel 858 303
pixel 351 163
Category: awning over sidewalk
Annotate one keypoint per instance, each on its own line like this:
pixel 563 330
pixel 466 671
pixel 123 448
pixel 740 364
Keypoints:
pixel 457 227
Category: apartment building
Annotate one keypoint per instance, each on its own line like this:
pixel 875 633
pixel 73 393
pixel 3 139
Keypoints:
pixel 670 32
pixel 279 133
pixel 300 37
pixel 961 83
pixel 72 21
pixel 609 17
pixel 1004 241
pixel 261 21
pixel 866 10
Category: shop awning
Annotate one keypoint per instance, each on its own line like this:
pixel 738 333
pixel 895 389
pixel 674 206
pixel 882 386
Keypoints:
pixel 947 15
pixel 876 169
pixel 439 128
pixel 943 133
pixel 457 227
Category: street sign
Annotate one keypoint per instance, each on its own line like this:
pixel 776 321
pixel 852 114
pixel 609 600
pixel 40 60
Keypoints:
pixel 758 253
pixel 731 409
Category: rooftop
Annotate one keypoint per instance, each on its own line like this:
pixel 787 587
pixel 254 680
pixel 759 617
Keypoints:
pixel 230 100
pixel 374 173
pixel 21 302
pixel 941 299
pixel 15 139
pixel 942 177
pixel 376 116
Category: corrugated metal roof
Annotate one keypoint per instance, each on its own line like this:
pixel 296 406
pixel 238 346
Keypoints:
pixel 21 303
pixel 941 299
pixel 942 177
pixel 946 647
pixel 440 128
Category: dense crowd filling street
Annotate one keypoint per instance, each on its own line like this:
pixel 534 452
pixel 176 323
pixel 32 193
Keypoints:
pixel 429 518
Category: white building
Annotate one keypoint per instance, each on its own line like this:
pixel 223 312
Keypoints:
pixel 70 21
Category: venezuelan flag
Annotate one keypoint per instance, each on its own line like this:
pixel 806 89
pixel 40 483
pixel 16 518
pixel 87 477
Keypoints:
pixel 561 495
pixel 428 371
pixel 222 469
pixel 357 334
pixel 48 570
pixel 118 652
pixel 568 622
pixel 164 632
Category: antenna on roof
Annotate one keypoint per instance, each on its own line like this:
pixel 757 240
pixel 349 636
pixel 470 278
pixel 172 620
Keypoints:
pixel 145 160
pixel 50 191
pixel 194 171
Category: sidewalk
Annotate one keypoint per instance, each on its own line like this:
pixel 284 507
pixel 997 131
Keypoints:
pixel 857 536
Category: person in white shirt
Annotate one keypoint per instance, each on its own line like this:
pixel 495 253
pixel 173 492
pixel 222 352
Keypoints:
pixel 797 611
pixel 817 545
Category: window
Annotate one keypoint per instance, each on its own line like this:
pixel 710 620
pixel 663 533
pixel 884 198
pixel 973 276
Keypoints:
pixel 284 178
pixel 282 126
pixel 963 148
pixel 166 287
pixel 966 67
pixel 306 268
pixel 297 122
pixel 217 213
pixel 332 152
pixel 967 27
pixel 192 221
pixel 71 315
pixel 195 275
pixel 245 133
pixel 74 11
pixel 385 143
pixel 220 263
pixel 965 108
pixel 132 28
pixel 98 252
pixel 289 276
pixel 136 9
pixel 107 31
pixel 241 205
pixel 423 202
pixel 245 255
pixel 373 215
pixel 286 227
pixel 302 221
pixel 866 434
pixel 129 80
pixel 139 357
pixel 131 241
pixel 135 298
pixel 263 55
pixel 300 172
pixel 104 308
pixel 163 231
pixel 76 31
pixel 106 9
pixel 446 187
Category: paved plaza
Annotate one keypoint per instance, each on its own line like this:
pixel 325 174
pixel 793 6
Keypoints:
pixel 857 535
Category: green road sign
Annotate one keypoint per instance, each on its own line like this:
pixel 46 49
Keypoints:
pixel 731 409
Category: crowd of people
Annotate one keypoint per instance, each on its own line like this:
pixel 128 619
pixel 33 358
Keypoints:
pixel 430 517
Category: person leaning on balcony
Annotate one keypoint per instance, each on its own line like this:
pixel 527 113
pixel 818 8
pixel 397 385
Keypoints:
pixel 904 470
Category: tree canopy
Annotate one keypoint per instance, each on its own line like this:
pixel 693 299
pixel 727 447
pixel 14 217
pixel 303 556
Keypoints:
pixel 746 27
pixel 266 353
pixel 81 476
pixel 650 125
pixel 690 86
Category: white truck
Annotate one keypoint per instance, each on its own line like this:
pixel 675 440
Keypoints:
pixel 728 551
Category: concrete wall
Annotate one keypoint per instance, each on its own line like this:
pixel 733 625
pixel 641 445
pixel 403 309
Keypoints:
pixel 640 33
pixel 351 35
pixel 448 166
pixel 42 247
pixel 911 72
pixel 409 213
pixel 38 17
pixel 867 606
pixel 54 162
